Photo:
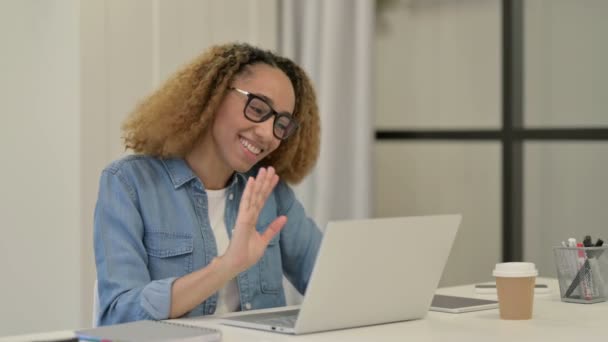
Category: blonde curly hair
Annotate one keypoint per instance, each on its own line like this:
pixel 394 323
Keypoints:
pixel 168 123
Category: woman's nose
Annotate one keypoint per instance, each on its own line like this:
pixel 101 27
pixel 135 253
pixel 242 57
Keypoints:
pixel 265 130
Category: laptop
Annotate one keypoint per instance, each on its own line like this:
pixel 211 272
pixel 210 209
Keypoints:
pixel 367 272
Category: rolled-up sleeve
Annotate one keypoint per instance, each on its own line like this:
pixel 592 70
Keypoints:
pixel 126 292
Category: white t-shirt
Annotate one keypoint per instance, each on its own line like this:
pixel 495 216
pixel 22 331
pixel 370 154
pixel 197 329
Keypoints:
pixel 228 300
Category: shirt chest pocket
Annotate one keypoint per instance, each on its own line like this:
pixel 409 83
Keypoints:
pixel 271 268
pixel 169 254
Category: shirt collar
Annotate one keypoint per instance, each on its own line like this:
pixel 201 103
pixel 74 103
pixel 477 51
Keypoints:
pixel 180 173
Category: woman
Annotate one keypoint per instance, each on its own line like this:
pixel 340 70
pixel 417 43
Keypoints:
pixel 197 222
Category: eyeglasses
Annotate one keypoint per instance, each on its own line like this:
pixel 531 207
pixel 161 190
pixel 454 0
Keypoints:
pixel 258 110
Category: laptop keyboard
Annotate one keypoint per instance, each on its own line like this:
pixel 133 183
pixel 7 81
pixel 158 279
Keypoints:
pixel 285 319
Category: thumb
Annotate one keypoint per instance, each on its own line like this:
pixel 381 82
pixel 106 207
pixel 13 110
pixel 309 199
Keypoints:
pixel 274 228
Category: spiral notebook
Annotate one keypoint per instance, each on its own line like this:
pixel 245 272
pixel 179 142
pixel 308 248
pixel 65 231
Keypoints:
pixel 149 331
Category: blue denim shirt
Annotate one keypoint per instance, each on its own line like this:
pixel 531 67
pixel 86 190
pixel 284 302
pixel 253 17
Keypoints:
pixel 152 227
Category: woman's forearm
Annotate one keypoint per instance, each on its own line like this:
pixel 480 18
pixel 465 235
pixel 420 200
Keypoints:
pixel 192 289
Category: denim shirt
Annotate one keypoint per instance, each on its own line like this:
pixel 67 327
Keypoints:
pixel 152 227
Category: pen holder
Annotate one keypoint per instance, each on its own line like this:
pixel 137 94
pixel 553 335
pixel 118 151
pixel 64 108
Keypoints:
pixel 582 273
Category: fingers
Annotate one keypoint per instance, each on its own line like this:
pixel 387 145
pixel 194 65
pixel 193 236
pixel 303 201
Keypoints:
pixel 256 193
pixel 269 181
pixel 246 198
pixel 261 188
pixel 258 186
pixel 274 228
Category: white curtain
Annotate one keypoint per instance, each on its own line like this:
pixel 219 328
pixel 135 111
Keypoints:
pixel 333 41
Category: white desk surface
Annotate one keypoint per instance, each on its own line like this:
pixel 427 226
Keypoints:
pixel 553 320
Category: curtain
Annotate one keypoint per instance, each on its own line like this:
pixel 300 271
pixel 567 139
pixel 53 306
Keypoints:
pixel 333 42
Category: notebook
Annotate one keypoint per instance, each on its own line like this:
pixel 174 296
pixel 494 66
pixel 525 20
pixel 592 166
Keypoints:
pixel 150 331
pixel 367 272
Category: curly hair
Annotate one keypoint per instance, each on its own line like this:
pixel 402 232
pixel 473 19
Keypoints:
pixel 169 122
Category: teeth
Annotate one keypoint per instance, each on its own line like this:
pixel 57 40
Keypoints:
pixel 250 147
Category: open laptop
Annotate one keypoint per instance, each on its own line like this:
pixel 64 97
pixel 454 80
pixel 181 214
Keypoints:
pixel 367 272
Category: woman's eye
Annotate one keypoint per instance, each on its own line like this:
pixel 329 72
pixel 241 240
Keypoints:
pixel 258 110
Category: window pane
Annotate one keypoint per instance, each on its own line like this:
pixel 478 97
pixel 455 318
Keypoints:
pixel 566 78
pixel 565 195
pixel 438 64
pixel 423 178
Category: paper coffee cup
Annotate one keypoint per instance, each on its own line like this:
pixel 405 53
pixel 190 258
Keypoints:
pixel 515 287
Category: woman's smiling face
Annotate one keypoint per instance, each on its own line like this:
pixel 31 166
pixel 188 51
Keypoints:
pixel 238 142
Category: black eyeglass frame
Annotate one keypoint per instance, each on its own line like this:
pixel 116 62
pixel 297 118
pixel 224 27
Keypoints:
pixel 277 115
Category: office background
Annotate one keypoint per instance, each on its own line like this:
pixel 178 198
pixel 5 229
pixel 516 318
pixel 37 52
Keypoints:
pixel 71 70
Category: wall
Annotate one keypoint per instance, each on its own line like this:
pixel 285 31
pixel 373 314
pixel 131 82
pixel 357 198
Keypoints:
pixel 71 72
pixel 438 64
pixel 40 175
pixel 566 86
pixel 438 67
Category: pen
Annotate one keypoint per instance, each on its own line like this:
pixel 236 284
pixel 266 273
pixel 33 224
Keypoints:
pixel 587 241
pixel 599 281
pixel 580 274
pixel 573 259
pixel 584 265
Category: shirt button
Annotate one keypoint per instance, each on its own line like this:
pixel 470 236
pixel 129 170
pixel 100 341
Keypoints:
pixel 247 306
pixel 231 196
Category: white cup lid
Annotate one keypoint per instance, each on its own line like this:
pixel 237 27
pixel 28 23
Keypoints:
pixel 515 269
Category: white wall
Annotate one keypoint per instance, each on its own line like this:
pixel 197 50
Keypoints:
pixel 566 85
pixel 438 67
pixel 438 64
pixel 565 58
pixel 40 176
pixel 71 71
pixel 565 192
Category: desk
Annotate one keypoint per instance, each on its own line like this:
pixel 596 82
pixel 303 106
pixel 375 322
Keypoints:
pixel 553 320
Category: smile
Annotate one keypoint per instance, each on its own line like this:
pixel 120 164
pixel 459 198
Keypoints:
pixel 250 147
